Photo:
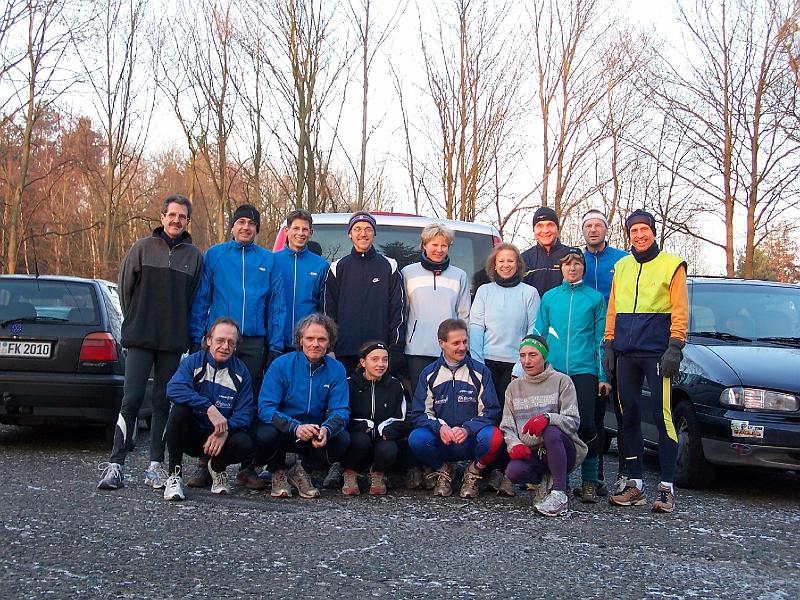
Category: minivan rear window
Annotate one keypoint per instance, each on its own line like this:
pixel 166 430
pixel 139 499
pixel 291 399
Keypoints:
pixel 43 300
pixel 468 252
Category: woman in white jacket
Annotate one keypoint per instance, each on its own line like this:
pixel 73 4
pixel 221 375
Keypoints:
pixel 503 312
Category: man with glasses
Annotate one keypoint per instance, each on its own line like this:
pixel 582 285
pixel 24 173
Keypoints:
pixel 158 279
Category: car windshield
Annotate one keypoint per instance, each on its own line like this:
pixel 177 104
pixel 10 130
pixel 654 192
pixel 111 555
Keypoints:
pixel 468 252
pixel 734 311
pixel 31 300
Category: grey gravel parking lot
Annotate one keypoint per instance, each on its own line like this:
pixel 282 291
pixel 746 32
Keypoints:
pixel 62 538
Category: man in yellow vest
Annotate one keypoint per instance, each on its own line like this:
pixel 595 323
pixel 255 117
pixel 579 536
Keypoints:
pixel 646 324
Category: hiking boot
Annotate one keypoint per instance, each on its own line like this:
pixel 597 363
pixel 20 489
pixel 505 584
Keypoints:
pixel 589 493
pixel 428 477
pixel 219 481
pixel 173 487
pixel 112 478
pixel 554 504
pixel 248 478
pixel 602 488
pixel 414 479
pixel 631 496
pixel 350 486
pixel 280 485
pixel 377 483
pixel 665 501
pixel 300 479
pixel 156 476
pixel 619 484
pixel 335 477
pixel 200 478
pixel 442 479
pixel 498 481
pixel 469 484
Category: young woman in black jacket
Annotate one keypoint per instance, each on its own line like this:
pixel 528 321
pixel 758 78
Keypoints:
pixel 377 419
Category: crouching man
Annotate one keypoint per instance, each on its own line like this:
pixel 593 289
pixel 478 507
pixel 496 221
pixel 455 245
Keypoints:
pixel 303 408
pixel 455 412
pixel 212 409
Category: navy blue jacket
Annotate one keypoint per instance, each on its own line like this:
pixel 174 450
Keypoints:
pixel 464 397
pixel 304 276
pixel 296 392
pixel 201 382
pixel 364 294
pixel 242 282
pixel 600 268
pixel 543 268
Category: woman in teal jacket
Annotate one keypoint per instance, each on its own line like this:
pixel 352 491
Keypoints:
pixel 572 317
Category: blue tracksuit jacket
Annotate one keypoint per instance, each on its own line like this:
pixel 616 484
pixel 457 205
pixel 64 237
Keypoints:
pixel 296 392
pixel 242 282
pixel 303 284
pixel 201 381
pixel 600 268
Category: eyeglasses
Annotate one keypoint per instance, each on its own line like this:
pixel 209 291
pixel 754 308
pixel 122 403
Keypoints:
pixel 178 216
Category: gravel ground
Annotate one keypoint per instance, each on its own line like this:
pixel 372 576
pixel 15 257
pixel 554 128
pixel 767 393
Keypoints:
pixel 62 538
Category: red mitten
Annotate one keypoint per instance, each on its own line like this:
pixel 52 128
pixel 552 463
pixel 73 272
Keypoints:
pixel 536 425
pixel 519 452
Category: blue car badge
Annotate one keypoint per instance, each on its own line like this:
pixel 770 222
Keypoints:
pixel 16 328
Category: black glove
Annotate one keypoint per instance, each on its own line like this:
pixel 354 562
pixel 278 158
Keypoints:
pixel 397 362
pixel 609 358
pixel 271 355
pixel 671 359
pixel 195 347
pixel 393 431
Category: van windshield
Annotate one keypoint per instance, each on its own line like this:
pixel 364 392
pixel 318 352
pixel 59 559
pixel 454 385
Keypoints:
pixel 468 252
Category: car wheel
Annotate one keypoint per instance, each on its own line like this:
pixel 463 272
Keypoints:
pixel 692 469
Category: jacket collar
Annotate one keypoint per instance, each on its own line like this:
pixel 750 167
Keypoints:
pixel 215 363
pixel 599 252
pixel 364 255
pixel 249 246
pixel 554 248
pixel 185 237
pixel 297 253
pixel 543 376
pixel 571 286
pixel 359 378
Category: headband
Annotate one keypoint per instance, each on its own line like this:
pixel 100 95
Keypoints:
pixel 534 343
pixel 373 346
pixel 594 214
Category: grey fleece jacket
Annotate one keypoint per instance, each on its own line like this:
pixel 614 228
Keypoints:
pixel 548 392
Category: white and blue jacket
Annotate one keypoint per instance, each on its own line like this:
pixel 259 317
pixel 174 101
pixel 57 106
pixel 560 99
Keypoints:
pixel 296 392
pixel 244 283
pixel 600 268
pixel 202 382
pixel 304 276
pixel 463 396
pixel 499 319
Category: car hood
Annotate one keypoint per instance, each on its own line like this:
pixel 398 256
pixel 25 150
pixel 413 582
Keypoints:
pixel 767 367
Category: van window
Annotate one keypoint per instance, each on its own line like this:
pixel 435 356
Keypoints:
pixel 44 300
pixel 468 252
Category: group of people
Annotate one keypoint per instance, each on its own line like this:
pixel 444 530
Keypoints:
pixel 289 355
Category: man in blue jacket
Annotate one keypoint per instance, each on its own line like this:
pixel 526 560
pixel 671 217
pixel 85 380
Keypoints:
pixel 303 272
pixel 241 280
pixel 455 412
pixel 212 409
pixel 303 408
pixel 600 259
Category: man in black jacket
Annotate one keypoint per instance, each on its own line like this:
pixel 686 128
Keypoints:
pixel 543 259
pixel 158 279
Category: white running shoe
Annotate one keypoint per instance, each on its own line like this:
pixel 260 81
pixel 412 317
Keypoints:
pixel 112 478
pixel 556 503
pixel 219 481
pixel 173 488
pixel 156 476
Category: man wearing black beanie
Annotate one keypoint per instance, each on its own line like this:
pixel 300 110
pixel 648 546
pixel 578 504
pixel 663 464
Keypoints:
pixel 543 259
pixel 242 281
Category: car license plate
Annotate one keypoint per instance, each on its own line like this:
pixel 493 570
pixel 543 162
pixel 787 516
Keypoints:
pixel 25 348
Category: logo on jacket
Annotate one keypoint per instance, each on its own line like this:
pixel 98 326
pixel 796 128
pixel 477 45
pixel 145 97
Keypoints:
pixel 261 269
pixel 313 273
pixel 465 398
pixel 376 280
pixel 326 385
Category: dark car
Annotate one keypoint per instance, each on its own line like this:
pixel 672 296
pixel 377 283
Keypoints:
pixel 736 401
pixel 60 354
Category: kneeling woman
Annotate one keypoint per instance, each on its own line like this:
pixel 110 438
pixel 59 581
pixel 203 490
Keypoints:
pixel 540 426
pixel 377 420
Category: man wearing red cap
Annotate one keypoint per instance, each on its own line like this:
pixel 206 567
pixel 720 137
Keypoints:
pixel 646 324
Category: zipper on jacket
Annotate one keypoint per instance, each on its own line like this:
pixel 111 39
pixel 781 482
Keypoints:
pixel 244 294
pixel 434 281
pixel 375 430
pixel 294 290
pixel 569 324
pixel 635 302
pixel 310 381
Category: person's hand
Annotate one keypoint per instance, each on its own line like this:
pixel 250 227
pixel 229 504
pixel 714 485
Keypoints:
pixel 459 435
pixel 519 452
pixel 671 359
pixel 609 358
pixel 446 435
pixel 535 425
pixel 319 440
pixel 306 432
pixel 214 443
pixel 603 388
pixel 219 422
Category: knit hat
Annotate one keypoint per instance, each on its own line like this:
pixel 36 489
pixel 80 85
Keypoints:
pixel 545 213
pixel 594 214
pixel 362 217
pixel 247 211
pixel 640 216
pixel 571 252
